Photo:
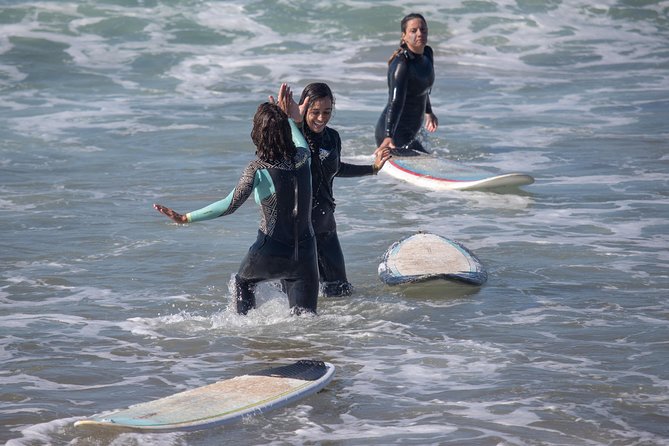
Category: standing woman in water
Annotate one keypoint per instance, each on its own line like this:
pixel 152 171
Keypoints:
pixel 410 79
pixel 314 111
pixel 280 180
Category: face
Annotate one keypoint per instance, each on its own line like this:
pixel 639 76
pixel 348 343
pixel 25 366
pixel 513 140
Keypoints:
pixel 415 35
pixel 319 114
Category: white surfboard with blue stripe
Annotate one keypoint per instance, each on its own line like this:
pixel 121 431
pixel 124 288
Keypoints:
pixel 221 403
pixel 425 256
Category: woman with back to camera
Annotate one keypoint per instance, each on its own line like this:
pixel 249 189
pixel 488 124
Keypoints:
pixel 280 180
pixel 410 79
pixel 314 111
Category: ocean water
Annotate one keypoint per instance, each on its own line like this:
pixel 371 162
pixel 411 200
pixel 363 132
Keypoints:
pixel 107 106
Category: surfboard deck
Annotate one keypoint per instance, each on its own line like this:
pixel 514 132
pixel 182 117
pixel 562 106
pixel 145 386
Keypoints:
pixel 221 403
pixel 438 173
pixel 425 256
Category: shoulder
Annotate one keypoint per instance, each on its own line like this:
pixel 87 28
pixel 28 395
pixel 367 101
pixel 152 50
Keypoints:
pixel 302 157
pixel 256 164
pixel 399 65
pixel 402 57
pixel 428 52
pixel 332 131
pixel 332 134
pixel 251 170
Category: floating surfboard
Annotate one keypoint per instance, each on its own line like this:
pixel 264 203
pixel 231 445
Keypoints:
pixel 437 173
pixel 425 256
pixel 223 402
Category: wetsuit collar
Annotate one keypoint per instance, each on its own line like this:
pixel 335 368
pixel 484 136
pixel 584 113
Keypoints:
pixel 411 55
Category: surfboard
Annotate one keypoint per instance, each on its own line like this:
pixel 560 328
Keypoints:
pixel 438 173
pixel 425 257
pixel 223 402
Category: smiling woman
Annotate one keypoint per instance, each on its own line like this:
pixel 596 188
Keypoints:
pixel 104 303
pixel 314 112
pixel 410 79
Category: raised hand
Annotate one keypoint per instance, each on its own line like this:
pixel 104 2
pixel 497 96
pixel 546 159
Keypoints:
pixel 286 102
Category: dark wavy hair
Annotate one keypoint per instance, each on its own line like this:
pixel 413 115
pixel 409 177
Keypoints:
pixel 271 134
pixel 403 26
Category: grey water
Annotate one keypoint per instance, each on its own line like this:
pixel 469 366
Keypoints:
pixel 109 106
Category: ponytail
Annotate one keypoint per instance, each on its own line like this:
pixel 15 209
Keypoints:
pixel 398 51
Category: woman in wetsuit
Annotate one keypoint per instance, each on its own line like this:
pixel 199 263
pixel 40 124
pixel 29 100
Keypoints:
pixel 280 179
pixel 314 111
pixel 410 78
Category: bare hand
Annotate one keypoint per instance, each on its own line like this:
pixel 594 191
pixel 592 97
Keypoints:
pixel 175 216
pixel 431 122
pixel 388 143
pixel 286 102
pixel 382 155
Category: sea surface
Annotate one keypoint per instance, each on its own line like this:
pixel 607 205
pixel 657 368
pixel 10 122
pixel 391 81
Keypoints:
pixel 108 106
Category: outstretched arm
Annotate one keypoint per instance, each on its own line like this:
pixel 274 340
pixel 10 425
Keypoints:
pixel 381 155
pixel 171 214
pixel 247 182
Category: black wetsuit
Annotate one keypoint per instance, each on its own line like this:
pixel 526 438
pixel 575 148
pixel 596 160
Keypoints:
pixel 286 247
pixel 325 165
pixel 410 78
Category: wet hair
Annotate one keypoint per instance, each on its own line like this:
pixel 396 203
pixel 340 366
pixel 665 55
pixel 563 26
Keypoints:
pixel 403 26
pixel 271 134
pixel 315 91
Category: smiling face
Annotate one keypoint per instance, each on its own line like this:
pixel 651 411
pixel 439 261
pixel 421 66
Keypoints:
pixel 415 35
pixel 319 114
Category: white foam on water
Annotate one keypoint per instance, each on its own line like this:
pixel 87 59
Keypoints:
pixel 574 301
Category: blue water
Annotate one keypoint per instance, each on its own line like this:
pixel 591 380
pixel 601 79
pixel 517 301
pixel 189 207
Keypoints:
pixel 109 106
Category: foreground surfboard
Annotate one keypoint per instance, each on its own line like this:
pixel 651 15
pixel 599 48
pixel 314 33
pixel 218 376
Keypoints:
pixel 222 403
pixel 424 257
pixel 437 173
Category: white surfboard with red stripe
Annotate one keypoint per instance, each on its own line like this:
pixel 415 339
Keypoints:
pixel 438 173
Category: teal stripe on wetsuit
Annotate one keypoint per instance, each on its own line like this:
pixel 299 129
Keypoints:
pixel 263 186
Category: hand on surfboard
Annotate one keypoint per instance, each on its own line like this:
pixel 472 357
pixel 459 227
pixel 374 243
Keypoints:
pixel 381 154
pixel 387 143
pixel 171 214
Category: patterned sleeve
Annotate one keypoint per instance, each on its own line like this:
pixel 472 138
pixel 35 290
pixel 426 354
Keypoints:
pixel 232 202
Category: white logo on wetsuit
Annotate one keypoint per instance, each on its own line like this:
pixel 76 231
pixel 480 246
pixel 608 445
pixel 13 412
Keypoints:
pixel 323 153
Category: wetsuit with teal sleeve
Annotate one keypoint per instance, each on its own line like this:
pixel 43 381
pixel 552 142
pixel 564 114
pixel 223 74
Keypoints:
pixel 410 78
pixel 285 248
pixel 325 165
